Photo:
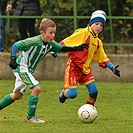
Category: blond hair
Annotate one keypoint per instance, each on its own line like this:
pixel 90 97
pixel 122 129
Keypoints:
pixel 46 22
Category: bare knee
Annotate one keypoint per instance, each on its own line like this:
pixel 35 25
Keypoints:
pixel 36 90
pixel 16 95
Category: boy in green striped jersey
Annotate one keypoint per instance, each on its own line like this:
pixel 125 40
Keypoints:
pixel 33 51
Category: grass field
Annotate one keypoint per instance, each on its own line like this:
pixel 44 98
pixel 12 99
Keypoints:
pixel 114 105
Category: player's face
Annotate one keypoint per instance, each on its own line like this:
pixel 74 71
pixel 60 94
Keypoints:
pixel 97 27
pixel 49 34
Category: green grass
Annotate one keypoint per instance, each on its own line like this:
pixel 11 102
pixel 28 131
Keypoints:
pixel 114 105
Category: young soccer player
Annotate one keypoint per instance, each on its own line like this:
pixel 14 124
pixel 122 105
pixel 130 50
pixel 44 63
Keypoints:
pixel 78 64
pixel 33 51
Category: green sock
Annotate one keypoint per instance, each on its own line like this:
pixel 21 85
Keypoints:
pixel 6 101
pixel 33 100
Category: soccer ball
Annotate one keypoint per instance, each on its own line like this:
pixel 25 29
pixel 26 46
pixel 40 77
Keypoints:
pixel 87 113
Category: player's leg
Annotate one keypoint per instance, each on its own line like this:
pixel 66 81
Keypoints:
pixel 32 105
pixel 89 81
pixel 70 85
pixel 92 91
pixel 71 93
pixel 67 93
pixel 16 95
pixel 6 101
pixel 32 102
pixel 29 80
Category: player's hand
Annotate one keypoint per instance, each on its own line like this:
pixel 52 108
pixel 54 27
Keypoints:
pixel 13 63
pixel 54 54
pixel 81 47
pixel 116 71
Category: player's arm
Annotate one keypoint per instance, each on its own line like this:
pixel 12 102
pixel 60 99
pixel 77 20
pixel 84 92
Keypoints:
pixel 105 62
pixel 75 48
pixel 114 69
pixel 70 48
pixel 14 51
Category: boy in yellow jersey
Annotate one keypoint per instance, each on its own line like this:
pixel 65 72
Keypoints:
pixel 78 64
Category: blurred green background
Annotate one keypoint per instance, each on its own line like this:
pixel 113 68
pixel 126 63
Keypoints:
pixel 72 14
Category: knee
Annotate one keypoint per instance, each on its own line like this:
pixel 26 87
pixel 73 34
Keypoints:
pixel 71 93
pixel 92 89
pixel 36 90
pixel 16 96
pixel 93 93
pixel 19 97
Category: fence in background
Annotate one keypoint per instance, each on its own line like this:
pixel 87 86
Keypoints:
pixel 75 17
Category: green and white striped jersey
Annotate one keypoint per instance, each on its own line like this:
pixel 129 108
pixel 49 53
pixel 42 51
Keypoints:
pixel 33 51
